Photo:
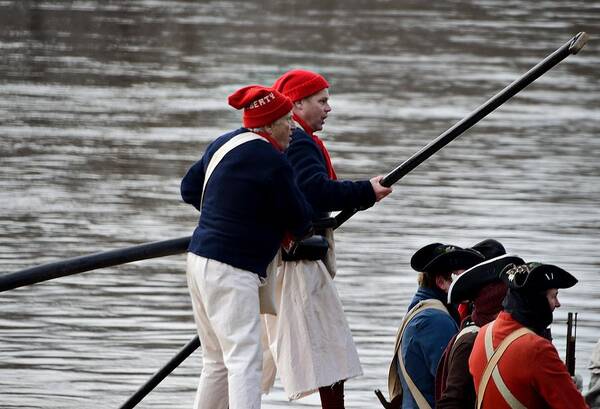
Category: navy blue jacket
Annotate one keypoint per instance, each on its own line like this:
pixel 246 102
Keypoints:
pixel 250 200
pixel 423 343
pixel 323 194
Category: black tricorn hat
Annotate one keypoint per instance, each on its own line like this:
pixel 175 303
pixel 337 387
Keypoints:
pixel 442 258
pixel 536 277
pixel 467 285
pixel 490 248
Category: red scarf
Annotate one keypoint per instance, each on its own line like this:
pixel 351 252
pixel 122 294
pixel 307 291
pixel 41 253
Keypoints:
pixel 271 140
pixel 464 310
pixel 320 144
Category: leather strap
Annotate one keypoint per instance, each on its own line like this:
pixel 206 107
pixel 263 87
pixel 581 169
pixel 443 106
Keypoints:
pixel 394 384
pixel 512 401
pixel 466 330
pixel 491 367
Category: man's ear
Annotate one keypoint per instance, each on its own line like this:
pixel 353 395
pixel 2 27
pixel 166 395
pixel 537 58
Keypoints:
pixel 268 129
pixel 299 104
pixel 440 281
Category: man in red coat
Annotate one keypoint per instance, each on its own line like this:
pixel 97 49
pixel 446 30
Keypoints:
pixel 482 285
pixel 529 373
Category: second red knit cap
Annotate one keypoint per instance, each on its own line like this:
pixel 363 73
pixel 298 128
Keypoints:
pixel 298 84
pixel 262 106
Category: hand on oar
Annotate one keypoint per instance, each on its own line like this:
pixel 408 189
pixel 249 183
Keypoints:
pixel 380 190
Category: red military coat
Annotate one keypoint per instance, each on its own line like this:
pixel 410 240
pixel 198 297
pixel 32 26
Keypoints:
pixel 530 368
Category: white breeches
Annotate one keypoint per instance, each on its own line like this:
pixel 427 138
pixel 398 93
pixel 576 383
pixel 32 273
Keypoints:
pixel 225 302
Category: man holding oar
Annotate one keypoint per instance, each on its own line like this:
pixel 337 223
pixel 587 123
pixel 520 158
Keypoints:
pixel 311 341
pixel 245 190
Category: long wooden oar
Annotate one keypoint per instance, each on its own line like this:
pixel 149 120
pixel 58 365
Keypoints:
pixel 90 262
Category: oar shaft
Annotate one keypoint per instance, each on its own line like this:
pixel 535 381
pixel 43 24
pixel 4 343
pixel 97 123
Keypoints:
pixel 146 388
pixel 76 265
pixel 570 47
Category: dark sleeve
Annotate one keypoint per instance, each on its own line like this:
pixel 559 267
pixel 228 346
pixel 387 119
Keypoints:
pixel 192 184
pixel 460 391
pixel 322 193
pixel 290 202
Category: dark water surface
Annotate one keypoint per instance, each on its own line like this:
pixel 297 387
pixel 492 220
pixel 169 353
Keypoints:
pixel 104 105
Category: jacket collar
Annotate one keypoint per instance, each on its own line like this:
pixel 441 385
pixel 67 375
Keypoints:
pixel 425 293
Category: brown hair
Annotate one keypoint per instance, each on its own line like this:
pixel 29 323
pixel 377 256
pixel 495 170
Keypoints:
pixel 427 280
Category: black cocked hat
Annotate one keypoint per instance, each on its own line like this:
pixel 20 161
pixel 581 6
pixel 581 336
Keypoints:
pixel 444 258
pixel 536 277
pixel 467 285
pixel 489 248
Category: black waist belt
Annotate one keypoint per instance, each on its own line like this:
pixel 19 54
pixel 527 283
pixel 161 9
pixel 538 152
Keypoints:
pixel 311 248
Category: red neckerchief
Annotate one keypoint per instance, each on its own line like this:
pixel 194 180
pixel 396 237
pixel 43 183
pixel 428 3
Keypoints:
pixel 271 140
pixel 320 144
pixel 464 310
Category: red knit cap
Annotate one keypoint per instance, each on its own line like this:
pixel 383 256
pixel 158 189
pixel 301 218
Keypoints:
pixel 298 84
pixel 262 106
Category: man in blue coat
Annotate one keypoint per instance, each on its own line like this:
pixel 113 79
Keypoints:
pixel 244 187
pixel 429 324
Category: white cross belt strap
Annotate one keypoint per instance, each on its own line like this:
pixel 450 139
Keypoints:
pixel 466 330
pixel 224 150
pixel 491 369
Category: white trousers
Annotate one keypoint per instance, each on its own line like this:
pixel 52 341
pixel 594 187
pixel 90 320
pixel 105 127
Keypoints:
pixel 225 302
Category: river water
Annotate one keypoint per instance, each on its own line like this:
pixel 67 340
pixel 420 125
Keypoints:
pixel 105 104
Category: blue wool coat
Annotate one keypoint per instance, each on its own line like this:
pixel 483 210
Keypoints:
pixel 423 343
pixel 323 194
pixel 250 200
